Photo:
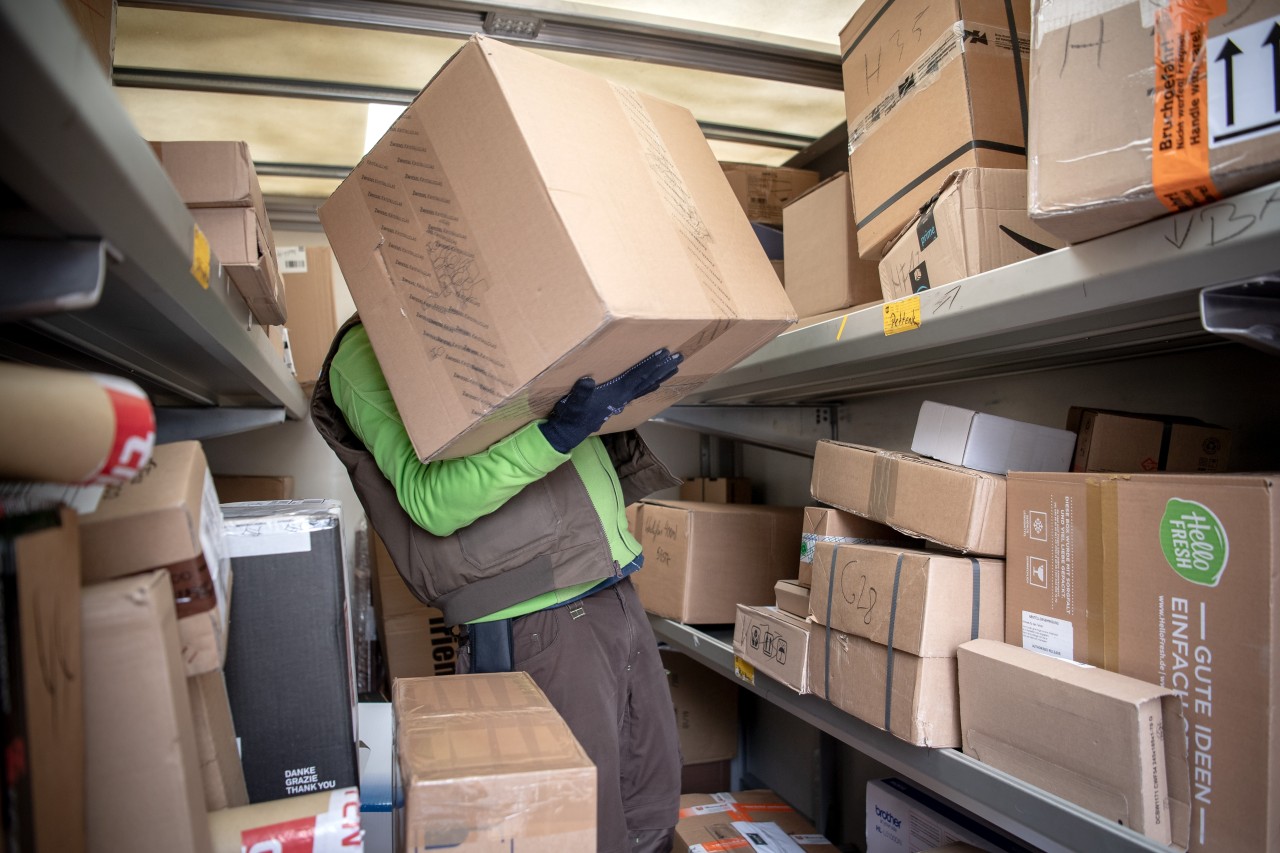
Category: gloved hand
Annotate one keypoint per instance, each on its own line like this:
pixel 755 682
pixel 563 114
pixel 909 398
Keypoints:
pixel 587 405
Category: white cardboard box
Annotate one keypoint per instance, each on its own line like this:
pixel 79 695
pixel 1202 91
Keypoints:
pixel 989 442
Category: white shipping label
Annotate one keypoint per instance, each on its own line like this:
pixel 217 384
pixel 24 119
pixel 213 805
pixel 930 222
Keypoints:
pixel 1244 83
pixel 213 541
pixel 267 536
pixel 766 837
pixel 1047 635
pixel 291 259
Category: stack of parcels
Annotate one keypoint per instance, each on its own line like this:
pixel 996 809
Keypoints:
pixel 219 185
pixel 757 819
pixel 1173 579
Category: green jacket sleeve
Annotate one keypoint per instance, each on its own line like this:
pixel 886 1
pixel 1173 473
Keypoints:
pixel 441 496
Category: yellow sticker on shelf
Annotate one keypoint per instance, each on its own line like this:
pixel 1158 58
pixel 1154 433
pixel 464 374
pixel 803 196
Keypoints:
pixel 744 670
pixel 200 257
pixel 902 315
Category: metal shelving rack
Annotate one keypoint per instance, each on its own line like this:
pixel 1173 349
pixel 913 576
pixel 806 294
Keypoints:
pixel 96 247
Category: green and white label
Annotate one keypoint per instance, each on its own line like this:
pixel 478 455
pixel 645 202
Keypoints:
pixel 1194 541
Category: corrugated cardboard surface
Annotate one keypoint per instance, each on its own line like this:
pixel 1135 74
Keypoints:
pixel 211 174
pixel 142 767
pixel 922 602
pixel 775 643
pixel 1127 442
pixel 701 560
pixel 763 191
pixel 1181 586
pixel 913 698
pixel 216 742
pixel 953 506
pixel 706 709
pixel 313 317
pixel 524 224
pixel 824 524
pixel 44 682
pixel 236 489
pixel 710 819
pixel 792 597
pixel 824 272
pixel 989 442
pixel 1093 112
pixel 977 223
pixel 723 490
pixel 1090 736
pixel 243 244
pixel 482 759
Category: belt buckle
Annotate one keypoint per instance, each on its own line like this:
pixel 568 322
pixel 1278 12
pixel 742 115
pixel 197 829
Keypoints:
pixel 576 610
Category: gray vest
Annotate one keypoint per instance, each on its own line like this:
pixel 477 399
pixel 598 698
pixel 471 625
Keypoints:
pixel 547 537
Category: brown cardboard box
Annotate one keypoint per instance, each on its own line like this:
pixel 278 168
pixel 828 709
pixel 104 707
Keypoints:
pixel 236 488
pixel 483 759
pixel 608 232
pixel 1180 576
pixel 913 698
pixel 978 222
pixel 97 22
pixel 1090 736
pixel 708 820
pixel 958 507
pixel 763 191
pixel 923 602
pixel 1096 165
pixel 824 272
pixel 706 778
pixel 216 746
pixel 168 517
pixel 701 560
pixel 792 597
pixel 824 524
pixel 313 316
pixel 142 767
pixel 44 682
pixel 774 642
pixel 706 709
pixel 415 641
pixel 217 181
pixel 1127 442
pixel 928 92
pixel 721 490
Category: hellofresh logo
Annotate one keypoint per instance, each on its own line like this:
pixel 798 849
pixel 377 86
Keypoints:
pixel 1194 541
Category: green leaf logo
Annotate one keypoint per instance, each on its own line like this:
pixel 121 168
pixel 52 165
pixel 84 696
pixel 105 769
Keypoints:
pixel 1194 541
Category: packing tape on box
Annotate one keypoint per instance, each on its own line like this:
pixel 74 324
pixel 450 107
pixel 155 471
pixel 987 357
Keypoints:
pixel 809 543
pixel 884 488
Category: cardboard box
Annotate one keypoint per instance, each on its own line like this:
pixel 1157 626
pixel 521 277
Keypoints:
pixel 43 682
pixel 989 442
pixel 142 768
pixel 721 490
pixel 961 508
pixel 763 191
pixel 923 602
pixel 290 673
pixel 774 642
pixel 824 524
pixel 1090 736
pixel 903 819
pixel 824 270
pixel 488 292
pixel 1127 442
pixel 238 489
pixel 706 709
pixel 911 697
pixel 218 183
pixel 928 92
pixel 415 640
pixel 701 560
pixel 977 222
pixel 1137 142
pixel 484 761
pixel 313 315
pixel 97 22
pixel 216 744
pixel 1179 572
pixel 723 820
pixel 168 518
pixel 792 597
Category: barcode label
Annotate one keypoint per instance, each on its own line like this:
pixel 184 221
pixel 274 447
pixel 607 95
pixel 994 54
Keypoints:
pixel 292 259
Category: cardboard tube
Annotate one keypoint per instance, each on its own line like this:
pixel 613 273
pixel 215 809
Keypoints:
pixel 314 823
pixel 67 426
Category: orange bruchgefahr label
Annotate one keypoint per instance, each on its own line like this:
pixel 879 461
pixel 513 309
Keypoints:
pixel 1180 125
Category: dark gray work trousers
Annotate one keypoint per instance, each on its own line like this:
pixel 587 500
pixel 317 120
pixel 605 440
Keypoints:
pixel 597 660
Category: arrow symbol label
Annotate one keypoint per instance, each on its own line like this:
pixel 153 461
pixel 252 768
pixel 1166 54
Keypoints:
pixel 1244 83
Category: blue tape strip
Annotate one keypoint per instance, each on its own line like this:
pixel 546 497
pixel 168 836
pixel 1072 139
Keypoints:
pixel 888 678
pixel 831 591
pixel 977 599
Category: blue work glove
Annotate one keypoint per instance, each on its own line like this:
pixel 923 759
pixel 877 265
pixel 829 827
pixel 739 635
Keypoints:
pixel 587 405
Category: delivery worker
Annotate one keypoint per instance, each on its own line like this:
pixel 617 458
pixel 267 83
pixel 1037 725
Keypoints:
pixel 526 544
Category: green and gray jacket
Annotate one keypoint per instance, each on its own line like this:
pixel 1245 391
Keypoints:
pixel 497 534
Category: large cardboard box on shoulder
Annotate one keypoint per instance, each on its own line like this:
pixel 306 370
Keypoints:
pixel 524 224
pixel 824 272
pixel 484 762
pixel 977 222
pixel 1117 139
pixel 1172 579
pixel 702 559
pixel 928 91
